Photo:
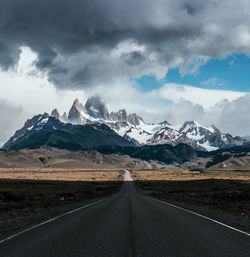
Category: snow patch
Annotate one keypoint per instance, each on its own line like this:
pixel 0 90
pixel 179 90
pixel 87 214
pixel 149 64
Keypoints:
pixel 30 128
pixel 93 109
pixel 208 147
pixel 43 121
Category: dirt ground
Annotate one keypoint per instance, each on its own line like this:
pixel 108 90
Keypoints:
pixel 29 200
pixel 227 192
pixel 29 196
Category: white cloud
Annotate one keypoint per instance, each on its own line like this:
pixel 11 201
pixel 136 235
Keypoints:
pixel 229 116
pixel 27 95
pixel 204 97
pixel 213 82
pixel 235 116
pixel 11 117
pixel 122 39
pixel 21 87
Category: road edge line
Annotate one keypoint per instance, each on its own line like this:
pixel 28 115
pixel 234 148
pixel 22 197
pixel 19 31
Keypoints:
pixel 203 216
pixel 50 220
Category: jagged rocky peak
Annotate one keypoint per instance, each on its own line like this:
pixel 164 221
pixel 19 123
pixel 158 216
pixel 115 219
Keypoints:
pixel 76 102
pixel 37 118
pixel 189 125
pixel 169 135
pixel 216 130
pixel 78 105
pixel 121 115
pixel 134 119
pixel 195 127
pixel 75 115
pixel 65 117
pixel 96 108
pixel 209 137
pixel 55 113
pixel 164 123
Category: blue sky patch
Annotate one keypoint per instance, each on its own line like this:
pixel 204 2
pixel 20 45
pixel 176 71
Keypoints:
pixel 231 73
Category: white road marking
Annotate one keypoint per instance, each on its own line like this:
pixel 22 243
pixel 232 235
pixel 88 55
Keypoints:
pixel 205 217
pixel 127 176
pixel 45 222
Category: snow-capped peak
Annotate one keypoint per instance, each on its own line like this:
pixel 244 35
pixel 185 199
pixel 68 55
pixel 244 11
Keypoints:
pixel 133 126
pixel 208 137
pixel 96 108
pixel 75 116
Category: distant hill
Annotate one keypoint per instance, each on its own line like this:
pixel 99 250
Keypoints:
pixel 164 153
pixel 48 157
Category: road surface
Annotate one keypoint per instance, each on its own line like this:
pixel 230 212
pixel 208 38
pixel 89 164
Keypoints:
pixel 128 223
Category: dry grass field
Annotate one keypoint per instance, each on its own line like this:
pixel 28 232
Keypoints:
pixel 179 175
pixel 228 192
pixel 61 174
pixel 29 196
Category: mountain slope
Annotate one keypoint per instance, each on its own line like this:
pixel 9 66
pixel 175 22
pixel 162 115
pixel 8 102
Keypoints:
pixel 43 130
pixel 133 127
pixel 163 153
pixel 168 135
pixel 209 137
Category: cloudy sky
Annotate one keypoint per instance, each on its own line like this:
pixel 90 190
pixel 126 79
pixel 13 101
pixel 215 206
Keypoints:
pixel 166 60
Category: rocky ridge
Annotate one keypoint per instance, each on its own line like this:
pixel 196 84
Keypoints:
pixel 134 129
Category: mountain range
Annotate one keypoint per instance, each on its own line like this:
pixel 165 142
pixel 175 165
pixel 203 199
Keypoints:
pixel 91 126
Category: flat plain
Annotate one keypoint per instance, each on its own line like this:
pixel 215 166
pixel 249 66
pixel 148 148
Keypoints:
pixel 219 192
pixel 29 196
pixel 182 174
pixel 61 174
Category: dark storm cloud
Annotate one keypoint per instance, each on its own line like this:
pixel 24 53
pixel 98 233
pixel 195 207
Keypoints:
pixel 193 6
pixel 9 55
pixel 133 58
pixel 46 58
pixel 75 40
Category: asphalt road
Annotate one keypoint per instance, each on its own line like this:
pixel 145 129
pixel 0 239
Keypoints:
pixel 128 223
